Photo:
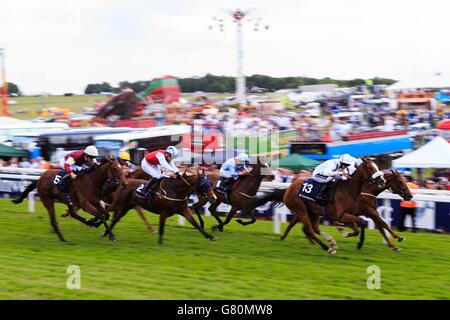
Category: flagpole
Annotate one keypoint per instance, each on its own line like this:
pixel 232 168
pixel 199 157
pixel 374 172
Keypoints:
pixel 4 85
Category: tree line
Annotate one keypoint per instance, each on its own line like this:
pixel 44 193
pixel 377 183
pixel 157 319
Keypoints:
pixel 213 83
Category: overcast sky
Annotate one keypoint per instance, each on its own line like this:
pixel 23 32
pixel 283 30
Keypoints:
pixel 62 45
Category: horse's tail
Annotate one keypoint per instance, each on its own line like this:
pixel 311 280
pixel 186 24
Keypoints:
pixel 276 196
pixel 25 193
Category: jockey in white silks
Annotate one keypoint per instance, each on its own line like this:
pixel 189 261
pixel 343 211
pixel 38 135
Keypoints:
pixel 332 170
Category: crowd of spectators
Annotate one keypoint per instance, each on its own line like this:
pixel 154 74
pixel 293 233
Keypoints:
pixel 15 162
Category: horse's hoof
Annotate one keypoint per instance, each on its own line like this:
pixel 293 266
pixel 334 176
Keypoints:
pixel 152 231
pixel 282 238
pixel 396 249
pixel 401 239
pixel 65 214
pixel 213 239
pixel 334 246
pixel 112 238
pixel 345 234
pixel 331 251
pixel 238 220
pixel 359 246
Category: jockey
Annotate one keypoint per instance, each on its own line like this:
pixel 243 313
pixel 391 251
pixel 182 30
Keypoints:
pixel 125 161
pixel 75 162
pixel 153 163
pixel 231 170
pixel 331 170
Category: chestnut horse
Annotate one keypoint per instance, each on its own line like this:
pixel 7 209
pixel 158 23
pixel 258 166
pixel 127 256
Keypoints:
pixel 171 197
pixel 86 190
pixel 340 209
pixel 367 205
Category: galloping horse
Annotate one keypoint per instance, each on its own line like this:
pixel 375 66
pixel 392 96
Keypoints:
pixel 86 191
pixel 367 205
pixel 344 203
pixel 171 197
pixel 242 196
pixel 110 192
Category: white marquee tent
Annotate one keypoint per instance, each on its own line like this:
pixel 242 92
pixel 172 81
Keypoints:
pixel 423 81
pixel 435 154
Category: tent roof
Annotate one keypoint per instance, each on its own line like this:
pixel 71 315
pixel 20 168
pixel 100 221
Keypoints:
pixel 7 151
pixel 422 81
pixel 297 162
pixel 435 154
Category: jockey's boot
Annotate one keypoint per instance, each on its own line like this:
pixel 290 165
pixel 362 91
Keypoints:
pixel 323 192
pixel 148 187
pixel 225 184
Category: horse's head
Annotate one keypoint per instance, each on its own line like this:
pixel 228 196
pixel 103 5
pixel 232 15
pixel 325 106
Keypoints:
pixel 114 171
pixel 397 184
pixel 262 169
pixel 199 184
pixel 368 170
pixel 203 187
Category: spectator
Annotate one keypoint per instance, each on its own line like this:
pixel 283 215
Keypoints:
pixel 35 163
pixel 13 162
pixel 24 163
pixel 2 163
pixel 408 207
pixel 429 184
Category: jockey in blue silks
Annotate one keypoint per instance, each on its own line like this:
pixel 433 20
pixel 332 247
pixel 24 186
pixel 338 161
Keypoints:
pixel 231 170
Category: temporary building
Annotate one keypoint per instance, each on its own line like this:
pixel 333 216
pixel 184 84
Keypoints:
pixel 435 154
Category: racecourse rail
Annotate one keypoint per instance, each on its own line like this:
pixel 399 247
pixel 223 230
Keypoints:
pixel 433 210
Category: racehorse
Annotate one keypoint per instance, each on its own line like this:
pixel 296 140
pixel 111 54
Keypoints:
pixel 171 197
pixel 341 207
pixel 366 205
pixel 242 195
pixel 86 193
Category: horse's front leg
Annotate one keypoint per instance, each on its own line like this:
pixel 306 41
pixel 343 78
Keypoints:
pixel 187 213
pixel 196 207
pixel 141 213
pixel 252 215
pixel 230 215
pixel 101 214
pixel 214 213
pixel 356 222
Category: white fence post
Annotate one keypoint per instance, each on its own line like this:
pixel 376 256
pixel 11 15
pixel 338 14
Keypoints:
pixel 31 202
pixel 276 222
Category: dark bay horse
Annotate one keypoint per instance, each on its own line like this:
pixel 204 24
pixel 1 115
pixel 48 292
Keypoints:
pixel 171 197
pixel 242 196
pixel 341 209
pixel 86 192
pixel 366 204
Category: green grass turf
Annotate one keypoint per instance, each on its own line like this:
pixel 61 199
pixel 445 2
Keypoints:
pixel 27 107
pixel 245 263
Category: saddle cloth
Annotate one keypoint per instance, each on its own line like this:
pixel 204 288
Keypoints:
pixel 310 189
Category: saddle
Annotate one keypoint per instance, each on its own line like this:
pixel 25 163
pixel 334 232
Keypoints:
pixel 310 190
